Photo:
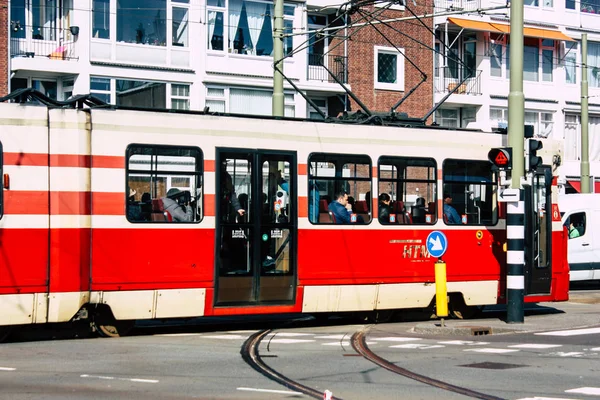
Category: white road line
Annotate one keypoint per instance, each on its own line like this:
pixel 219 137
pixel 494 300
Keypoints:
pixel 491 350
pixel 464 342
pixel 595 391
pixel 417 346
pixel 345 344
pixel 178 334
pixel 7 369
pixel 396 339
pixel 333 337
pixel 534 346
pixel 226 337
pixel 567 354
pixel 112 378
pixel 270 391
pixel 573 332
pixel 543 398
pixel 289 341
pixel 291 334
pixel 595 349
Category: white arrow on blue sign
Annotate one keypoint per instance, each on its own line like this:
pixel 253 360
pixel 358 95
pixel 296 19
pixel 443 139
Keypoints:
pixel 437 244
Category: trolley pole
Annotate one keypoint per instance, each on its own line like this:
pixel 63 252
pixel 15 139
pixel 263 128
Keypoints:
pixel 585 150
pixel 515 281
pixel 278 98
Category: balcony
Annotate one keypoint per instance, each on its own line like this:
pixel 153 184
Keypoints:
pixel 457 5
pixel 43 42
pixel 318 64
pixel 448 78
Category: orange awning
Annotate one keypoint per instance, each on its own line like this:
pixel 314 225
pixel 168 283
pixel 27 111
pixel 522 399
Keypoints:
pixel 505 28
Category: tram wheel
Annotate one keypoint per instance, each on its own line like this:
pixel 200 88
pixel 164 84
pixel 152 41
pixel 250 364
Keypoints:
pixel 4 332
pixel 379 316
pixel 115 329
pixel 460 310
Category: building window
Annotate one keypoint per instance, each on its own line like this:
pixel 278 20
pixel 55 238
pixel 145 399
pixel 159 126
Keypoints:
pixel 180 25
pixel 389 68
pixel 538 59
pixel 142 22
pixel 180 97
pixel 571 64
pixel 447 117
pixel 246 101
pixel 101 19
pixel 322 106
pixel 246 27
pixel 547 59
pixel 164 184
pixel 471 185
pixel 594 59
pixel 100 88
pixel 330 175
pixel 499 117
pixel 411 186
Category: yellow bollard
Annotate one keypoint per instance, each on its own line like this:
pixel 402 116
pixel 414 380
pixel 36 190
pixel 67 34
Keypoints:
pixel 441 292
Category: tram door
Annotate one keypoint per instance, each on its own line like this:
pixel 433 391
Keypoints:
pixel 538 233
pixel 256 215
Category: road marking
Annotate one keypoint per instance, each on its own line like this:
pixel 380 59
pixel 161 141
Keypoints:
pixel 543 398
pixel 535 346
pixel 464 342
pixel 7 369
pixel 585 390
pixel 417 346
pixel 333 337
pixel 270 391
pixel 396 339
pixel 572 332
pixel 491 350
pixel 291 334
pixel 179 334
pixel 568 354
pixel 226 337
pixel 288 341
pixel 112 378
pixel 345 344
pixel 595 349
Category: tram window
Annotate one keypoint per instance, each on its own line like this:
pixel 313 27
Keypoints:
pixel 472 188
pixel 411 186
pixel 578 228
pixel 3 183
pixel 164 184
pixel 331 173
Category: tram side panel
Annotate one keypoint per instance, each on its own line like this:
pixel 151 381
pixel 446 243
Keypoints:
pixel 145 269
pixel 70 212
pixel 24 224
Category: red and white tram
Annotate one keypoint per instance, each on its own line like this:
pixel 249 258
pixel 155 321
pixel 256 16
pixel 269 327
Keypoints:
pixel 84 231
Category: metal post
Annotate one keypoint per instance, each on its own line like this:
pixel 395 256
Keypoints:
pixel 278 98
pixel 515 259
pixel 516 98
pixel 585 152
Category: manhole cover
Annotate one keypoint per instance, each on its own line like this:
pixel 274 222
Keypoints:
pixel 492 365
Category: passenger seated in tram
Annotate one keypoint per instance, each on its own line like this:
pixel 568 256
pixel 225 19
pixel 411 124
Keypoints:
pixel 450 214
pixel 341 210
pixel 384 207
pixel 177 204
pixel 134 212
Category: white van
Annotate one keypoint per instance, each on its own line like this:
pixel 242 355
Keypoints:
pixel 581 215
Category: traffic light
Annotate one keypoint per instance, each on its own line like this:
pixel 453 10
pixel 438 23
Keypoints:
pixel 532 160
pixel 501 158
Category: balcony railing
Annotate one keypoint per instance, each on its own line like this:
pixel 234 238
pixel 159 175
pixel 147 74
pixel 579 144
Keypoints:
pixel 449 5
pixel 52 43
pixel 318 64
pixel 449 78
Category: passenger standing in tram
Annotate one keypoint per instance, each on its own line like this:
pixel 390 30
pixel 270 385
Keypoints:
pixel 134 212
pixel 313 201
pixel 384 207
pixel 230 205
pixel 450 214
pixel 179 212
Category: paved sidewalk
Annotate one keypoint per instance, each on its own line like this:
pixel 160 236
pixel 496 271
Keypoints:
pixel 582 310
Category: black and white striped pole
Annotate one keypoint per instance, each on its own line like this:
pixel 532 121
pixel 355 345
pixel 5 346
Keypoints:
pixel 515 255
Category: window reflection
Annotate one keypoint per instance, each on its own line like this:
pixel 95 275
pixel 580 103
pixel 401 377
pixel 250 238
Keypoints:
pixel 143 23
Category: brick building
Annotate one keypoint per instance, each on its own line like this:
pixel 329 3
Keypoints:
pixel 4 47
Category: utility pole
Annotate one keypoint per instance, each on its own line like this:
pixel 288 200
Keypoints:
pixel 278 98
pixel 585 152
pixel 515 219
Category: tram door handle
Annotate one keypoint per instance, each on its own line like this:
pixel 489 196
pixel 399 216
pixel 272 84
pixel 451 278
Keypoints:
pixel 584 244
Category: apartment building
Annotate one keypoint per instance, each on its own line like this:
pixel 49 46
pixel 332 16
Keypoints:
pixel 473 63
pixel 192 54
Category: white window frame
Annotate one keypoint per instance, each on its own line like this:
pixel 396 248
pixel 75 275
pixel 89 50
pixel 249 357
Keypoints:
pixel 399 7
pixel 289 98
pixel 399 85
pixel 171 96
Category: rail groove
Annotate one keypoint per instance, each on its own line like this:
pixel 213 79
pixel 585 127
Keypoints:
pixel 250 354
pixel 360 346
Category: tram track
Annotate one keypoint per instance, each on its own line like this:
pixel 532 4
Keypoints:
pixel 250 353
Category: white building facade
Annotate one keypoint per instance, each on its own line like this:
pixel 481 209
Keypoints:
pixel 552 72
pixel 179 54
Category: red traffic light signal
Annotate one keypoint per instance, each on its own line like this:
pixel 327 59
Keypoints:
pixel 501 157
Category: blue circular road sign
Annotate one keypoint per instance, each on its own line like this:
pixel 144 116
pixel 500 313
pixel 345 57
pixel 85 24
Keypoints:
pixel 437 244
